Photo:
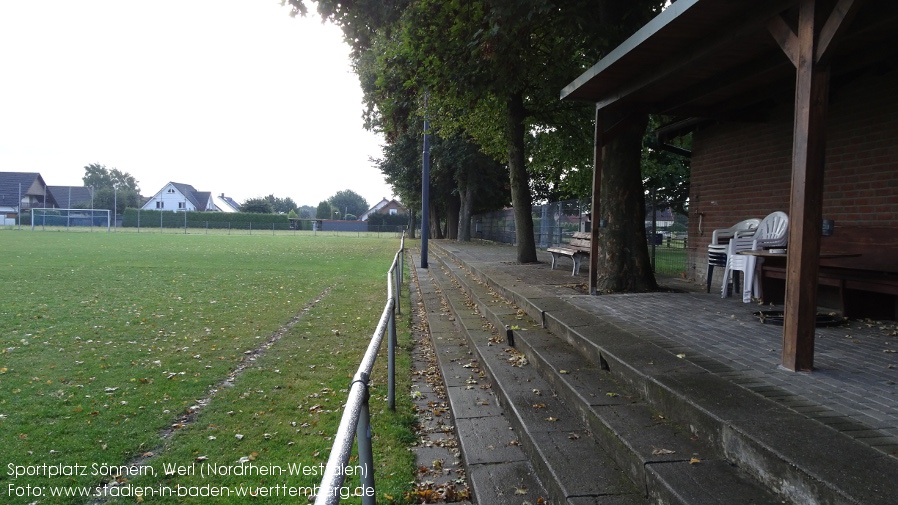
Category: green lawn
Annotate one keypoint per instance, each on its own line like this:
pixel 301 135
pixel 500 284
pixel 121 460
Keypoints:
pixel 118 347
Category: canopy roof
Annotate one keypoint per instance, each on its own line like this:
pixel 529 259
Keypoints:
pixel 720 58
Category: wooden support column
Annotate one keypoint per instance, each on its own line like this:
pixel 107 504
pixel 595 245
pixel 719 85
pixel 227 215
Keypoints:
pixel 595 208
pixel 806 205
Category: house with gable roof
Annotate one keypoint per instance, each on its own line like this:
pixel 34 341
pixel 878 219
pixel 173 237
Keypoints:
pixel 22 191
pixel 389 207
pixel 175 197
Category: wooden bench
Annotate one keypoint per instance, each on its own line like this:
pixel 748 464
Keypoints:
pixel 577 249
pixel 865 285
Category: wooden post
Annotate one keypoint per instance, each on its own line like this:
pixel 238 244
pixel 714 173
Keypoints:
pixel 596 205
pixel 805 213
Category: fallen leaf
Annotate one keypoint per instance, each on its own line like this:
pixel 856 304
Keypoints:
pixel 694 461
pixel 551 419
pixel 657 452
pixel 564 371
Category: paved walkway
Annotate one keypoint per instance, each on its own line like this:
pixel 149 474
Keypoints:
pixel 852 390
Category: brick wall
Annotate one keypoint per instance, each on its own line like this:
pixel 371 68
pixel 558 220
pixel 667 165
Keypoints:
pixel 741 171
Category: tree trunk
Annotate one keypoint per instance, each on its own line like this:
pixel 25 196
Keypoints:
pixel 412 218
pixel 624 257
pixel 452 217
pixel 520 183
pixel 436 231
pixel 464 220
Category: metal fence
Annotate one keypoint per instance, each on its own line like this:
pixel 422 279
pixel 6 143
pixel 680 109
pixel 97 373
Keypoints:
pixel 355 423
pixel 555 223
pixel 199 227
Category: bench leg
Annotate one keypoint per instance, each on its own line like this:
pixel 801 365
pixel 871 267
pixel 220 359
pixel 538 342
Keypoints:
pixel 576 259
pixel 554 260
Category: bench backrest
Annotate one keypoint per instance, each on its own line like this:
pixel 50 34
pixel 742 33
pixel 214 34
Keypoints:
pixel 877 247
pixel 580 239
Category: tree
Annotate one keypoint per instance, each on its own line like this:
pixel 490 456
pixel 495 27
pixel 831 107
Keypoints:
pixel 257 206
pixel 281 205
pixel 112 189
pixel 324 211
pixel 348 202
pixel 664 172
pixel 492 70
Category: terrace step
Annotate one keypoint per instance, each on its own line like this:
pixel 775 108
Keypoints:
pixel 605 440
pixel 746 443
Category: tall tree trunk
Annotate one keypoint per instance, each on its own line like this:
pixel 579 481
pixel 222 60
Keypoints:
pixel 464 220
pixel 436 231
pixel 452 217
pixel 520 183
pixel 412 218
pixel 624 257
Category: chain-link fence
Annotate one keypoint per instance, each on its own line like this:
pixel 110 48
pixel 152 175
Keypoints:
pixel 555 223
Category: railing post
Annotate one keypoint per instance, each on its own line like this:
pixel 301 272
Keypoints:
pixel 366 456
pixel 391 361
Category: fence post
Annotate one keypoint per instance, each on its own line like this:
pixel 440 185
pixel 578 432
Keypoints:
pixel 363 439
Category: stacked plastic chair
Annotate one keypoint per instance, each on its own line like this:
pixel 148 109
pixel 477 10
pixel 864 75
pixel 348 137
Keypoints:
pixel 772 232
pixel 717 249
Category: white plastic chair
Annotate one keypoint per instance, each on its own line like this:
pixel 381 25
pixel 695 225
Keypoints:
pixel 743 263
pixel 720 239
pixel 772 232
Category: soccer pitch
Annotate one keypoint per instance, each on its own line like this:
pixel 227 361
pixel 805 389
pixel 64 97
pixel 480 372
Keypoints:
pixel 218 364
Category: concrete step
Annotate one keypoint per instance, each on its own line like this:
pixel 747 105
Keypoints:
pixel 752 444
pixel 665 463
pixel 497 470
pixel 551 438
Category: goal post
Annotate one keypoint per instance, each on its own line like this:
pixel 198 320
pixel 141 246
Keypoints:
pixel 70 218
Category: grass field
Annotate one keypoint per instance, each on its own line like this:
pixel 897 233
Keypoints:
pixel 189 353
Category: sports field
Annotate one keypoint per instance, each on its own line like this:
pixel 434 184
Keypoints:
pixel 219 363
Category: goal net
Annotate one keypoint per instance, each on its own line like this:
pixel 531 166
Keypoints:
pixel 70 218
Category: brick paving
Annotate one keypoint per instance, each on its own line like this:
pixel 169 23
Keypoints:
pixel 853 388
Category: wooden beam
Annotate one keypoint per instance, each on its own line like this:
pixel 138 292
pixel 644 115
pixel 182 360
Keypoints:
pixel 726 35
pixel 837 23
pixel 595 209
pixel 806 206
pixel 785 37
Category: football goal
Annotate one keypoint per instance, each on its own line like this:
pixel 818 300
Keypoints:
pixel 70 218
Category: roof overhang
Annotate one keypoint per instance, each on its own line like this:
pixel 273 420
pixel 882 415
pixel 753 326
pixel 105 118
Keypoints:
pixel 719 59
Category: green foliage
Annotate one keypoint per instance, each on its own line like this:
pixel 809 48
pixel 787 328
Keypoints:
pixel 348 202
pixel 133 218
pixel 664 172
pixel 324 211
pixel 107 198
pixel 99 177
pixel 387 220
pixel 257 206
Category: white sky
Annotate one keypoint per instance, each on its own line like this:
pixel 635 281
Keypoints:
pixel 229 96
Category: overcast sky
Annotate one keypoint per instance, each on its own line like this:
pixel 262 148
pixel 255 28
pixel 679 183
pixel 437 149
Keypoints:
pixel 229 96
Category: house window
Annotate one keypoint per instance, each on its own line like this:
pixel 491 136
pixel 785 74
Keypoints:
pixel 171 191
pixel 181 205
pixel 393 212
pixel 160 204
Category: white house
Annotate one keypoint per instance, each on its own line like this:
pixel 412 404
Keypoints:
pixel 181 197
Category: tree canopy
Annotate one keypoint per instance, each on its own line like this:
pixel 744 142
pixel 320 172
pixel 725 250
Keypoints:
pixel 488 73
pixel 111 188
pixel 258 205
pixel 347 202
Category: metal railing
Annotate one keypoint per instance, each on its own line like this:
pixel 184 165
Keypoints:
pixel 356 421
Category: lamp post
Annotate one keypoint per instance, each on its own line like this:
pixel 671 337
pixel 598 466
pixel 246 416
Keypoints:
pixel 425 191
